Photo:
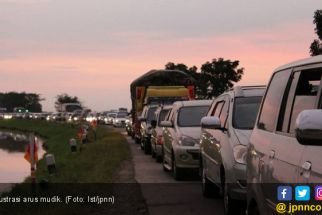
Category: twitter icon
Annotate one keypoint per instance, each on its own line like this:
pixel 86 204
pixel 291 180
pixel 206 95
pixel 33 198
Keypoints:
pixel 302 193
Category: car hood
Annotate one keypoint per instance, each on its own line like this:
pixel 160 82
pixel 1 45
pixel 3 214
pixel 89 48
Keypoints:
pixel 193 132
pixel 243 136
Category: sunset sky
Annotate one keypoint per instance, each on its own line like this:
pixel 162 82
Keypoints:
pixel 94 49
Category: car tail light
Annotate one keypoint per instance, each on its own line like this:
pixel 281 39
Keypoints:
pixel 139 93
pixel 191 91
pixel 159 140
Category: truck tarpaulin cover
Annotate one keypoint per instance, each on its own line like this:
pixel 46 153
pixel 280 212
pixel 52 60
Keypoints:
pixel 161 78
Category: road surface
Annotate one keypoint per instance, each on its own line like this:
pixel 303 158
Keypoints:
pixel 164 195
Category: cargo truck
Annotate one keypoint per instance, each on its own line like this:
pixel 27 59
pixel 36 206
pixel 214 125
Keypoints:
pixel 158 87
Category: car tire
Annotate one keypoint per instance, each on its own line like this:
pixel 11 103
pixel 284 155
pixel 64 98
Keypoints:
pixel 137 140
pixel 158 159
pixel 146 147
pixel 153 154
pixel 142 144
pixel 176 171
pixel 253 210
pixel 165 169
pixel 231 206
pixel 208 188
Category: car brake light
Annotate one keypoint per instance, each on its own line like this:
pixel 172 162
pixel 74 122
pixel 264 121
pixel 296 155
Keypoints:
pixel 191 91
pixel 159 140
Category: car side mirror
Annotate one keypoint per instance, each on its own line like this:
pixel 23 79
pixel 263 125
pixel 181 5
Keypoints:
pixel 142 119
pixel 308 127
pixel 153 123
pixel 212 122
pixel 166 124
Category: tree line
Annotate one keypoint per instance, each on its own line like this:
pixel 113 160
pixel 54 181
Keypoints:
pixel 214 78
pixel 316 45
pixel 29 101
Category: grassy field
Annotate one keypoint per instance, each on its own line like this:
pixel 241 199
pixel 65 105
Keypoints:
pixel 86 173
pixel 95 163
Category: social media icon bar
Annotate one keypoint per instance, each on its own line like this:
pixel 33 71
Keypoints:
pixel 284 193
pixel 302 193
pixel 318 193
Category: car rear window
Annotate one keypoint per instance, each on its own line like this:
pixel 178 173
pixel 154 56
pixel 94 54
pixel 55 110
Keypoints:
pixel 162 115
pixel 191 116
pixel 151 115
pixel 121 115
pixel 245 112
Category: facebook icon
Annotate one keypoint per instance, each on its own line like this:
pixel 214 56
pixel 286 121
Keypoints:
pixel 284 193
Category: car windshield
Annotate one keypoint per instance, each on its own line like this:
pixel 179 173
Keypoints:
pixel 245 112
pixel 191 116
pixel 162 115
pixel 113 115
pixel 121 115
pixel 71 108
pixel 151 115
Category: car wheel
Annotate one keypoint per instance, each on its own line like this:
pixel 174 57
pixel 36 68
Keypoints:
pixel 146 147
pixel 137 140
pixel 158 159
pixel 142 144
pixel 231 206
pixel 153 153
pixel 253 210
pixel 208 188
pixel 176 171
pixel 165 169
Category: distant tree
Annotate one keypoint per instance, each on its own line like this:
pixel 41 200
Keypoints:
pixel 65 98
pixel 316 45
pixel 315 48
pixel 217 75
pixel 220 75
pixel 29 101
pixel 193 71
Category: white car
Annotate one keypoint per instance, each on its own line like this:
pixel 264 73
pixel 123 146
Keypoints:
pixel 156 136
pixel 223 144
pixel 119 120
pixel 285 147
pixel 181 136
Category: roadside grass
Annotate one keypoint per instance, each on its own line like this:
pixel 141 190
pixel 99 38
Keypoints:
pixel 94 162
pixel 88 173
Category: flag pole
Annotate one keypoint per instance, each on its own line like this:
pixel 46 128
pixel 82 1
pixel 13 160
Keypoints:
pixel 32 160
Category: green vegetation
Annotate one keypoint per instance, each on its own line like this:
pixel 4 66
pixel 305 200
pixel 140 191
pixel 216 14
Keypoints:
pixel 25 101
pixel 85 173
pixel 214 78
pixel 316 45
pixel 94 162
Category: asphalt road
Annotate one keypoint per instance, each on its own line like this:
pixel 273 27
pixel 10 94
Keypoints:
pixel 163 194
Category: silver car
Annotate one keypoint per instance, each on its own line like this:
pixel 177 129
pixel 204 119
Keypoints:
pixel 285 147
pixel 156 136
pixel 119 120
pixel 181 135
pixel 146 128
pixel 223 144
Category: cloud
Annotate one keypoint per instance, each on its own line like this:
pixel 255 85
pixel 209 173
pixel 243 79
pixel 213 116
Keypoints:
pixel 24 1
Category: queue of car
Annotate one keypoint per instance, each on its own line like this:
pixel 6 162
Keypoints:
pixel 239 142
pixel 247 137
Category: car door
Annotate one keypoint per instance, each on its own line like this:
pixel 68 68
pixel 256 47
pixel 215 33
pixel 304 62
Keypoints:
pixel 168 137
pixel 205 139
pixel 281 160
pixel 310 168
pixel 214 140
pixel 261 142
